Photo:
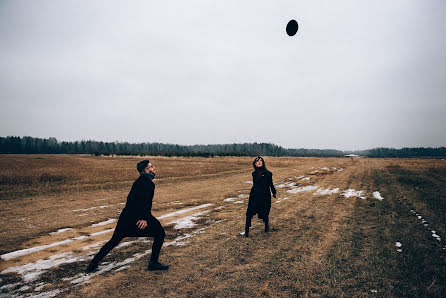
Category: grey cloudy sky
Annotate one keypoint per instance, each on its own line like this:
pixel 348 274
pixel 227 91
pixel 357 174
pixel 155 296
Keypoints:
pixel 358 74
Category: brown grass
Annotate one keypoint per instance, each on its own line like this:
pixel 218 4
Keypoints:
pixel 318 245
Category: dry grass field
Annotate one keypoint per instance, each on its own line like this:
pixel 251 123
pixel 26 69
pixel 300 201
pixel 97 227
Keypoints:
pixel 339 227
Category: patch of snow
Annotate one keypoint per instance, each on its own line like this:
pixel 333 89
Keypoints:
pixel 238 202
pixel 102 232
pixel 229 199
pixel 61 231
pixel 326 191
pixel 184 211
pixel 377 195
pixel 352 193
pixel 31 271
pixel 103 223
pixel 249 182
pixel 187 221
pixel 303 188
pixel 22 252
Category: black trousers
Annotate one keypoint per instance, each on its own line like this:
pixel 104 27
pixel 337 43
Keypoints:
pixel 122 230
pixel 249 217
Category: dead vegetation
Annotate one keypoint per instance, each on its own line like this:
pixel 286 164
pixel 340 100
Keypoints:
pixel 318 245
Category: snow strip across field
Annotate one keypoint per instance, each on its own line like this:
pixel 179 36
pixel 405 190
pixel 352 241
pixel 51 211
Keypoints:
pixel 103 223
pixel 353 193
pixel 27 251
pixel 183 211
pixel 326 191
pixel 30 272
pixel 60 231
pixel 302 188
pixel 237 198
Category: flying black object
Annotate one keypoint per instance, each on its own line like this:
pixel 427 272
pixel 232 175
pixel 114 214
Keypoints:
pixel 291 28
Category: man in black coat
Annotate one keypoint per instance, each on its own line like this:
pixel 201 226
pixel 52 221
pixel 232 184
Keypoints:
pixel 136 219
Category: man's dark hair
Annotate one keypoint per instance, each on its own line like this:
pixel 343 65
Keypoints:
pixel 142 165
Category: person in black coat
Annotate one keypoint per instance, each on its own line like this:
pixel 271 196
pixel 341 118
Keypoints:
pixel 260 196
pixel 136 219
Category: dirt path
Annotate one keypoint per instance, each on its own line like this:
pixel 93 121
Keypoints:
pixel 205 246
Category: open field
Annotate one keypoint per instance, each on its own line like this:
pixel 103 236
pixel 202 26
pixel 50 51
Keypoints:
pixel 339 227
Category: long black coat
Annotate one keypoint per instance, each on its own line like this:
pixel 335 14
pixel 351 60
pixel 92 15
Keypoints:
pixel 139 202
pixel 260 196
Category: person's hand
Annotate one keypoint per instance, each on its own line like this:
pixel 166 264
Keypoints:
pixel 141 224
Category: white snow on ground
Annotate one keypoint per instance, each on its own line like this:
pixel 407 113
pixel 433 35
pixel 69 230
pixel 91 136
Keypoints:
pixel 103 232
pixel 31 271
pixel 229 199
pixel 238 202
pixel 83 278
pixel 176 202
pixel 303 188
pixel 187 221
pixel 377 195
pixel 306 178
pixel 281 199
pixel 103 223
pixel 61 231
pixel 352 193
pixel 240 196
pixel 434 234
pixel 249 182
pixel 27 251
pixel 87 209
pixel 326 191
pixel 325 169
pixel 287 184
pixel 184 211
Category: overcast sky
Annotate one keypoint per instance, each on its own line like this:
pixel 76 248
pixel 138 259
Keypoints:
pixel 357 75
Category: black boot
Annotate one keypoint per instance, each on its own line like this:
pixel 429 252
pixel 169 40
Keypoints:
pixel 246 231
pixel 93 266
pixel 266 226
pixel 155 265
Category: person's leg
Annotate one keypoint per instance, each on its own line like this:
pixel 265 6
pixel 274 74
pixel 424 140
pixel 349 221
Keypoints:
pixel 266 220
pixel 118 235
pixel 248 223
pixel 154 229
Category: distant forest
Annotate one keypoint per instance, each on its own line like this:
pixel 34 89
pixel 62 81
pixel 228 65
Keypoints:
pixel 30 145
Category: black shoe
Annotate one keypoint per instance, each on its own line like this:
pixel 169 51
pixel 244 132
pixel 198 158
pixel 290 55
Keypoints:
pixel 91 267
pixel 157 266
pixel 266 228
pixel 246 232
